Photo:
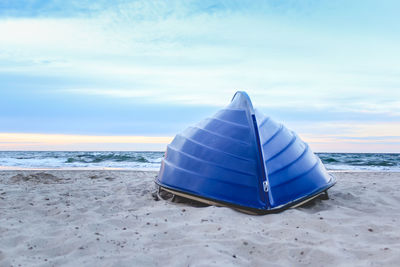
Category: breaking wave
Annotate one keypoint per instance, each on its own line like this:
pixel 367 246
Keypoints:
pixel 62 159
pixel 152 160
pixel 361 161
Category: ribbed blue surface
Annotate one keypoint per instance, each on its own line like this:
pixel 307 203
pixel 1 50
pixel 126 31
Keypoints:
pixel 228 157
pixel 293 170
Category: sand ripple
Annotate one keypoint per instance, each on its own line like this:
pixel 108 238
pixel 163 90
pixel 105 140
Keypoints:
pixel 110 218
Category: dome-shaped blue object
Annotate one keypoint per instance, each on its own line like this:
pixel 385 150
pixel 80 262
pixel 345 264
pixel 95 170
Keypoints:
pixel 241 158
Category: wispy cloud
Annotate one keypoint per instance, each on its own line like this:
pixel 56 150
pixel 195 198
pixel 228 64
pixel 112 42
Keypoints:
pixel 305 62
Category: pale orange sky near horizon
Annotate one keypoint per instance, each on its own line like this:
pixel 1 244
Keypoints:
pixel 63 142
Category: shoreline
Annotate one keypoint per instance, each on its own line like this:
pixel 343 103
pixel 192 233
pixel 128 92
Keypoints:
pixel 12 168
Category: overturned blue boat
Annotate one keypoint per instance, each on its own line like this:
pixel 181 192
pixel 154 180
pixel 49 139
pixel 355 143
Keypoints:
pixel 243 159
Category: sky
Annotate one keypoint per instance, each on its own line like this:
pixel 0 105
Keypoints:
pixel 84 75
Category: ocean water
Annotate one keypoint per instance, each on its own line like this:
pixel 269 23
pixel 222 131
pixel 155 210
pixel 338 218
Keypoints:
pixel 151 160
pixel 79 159
pixel 361 161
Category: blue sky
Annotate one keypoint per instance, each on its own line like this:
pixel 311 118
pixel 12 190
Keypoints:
pixel 328 69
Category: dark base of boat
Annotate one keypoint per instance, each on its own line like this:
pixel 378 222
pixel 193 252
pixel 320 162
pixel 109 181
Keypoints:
pixel 196 201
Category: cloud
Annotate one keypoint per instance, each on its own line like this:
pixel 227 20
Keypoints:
pixel 305 63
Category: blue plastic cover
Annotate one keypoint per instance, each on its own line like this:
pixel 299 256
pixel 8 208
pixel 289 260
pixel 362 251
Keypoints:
pixel 243 158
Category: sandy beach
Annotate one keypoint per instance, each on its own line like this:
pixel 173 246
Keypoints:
pixel 110 218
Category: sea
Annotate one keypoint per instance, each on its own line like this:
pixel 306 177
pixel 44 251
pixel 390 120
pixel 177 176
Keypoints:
pixel 135 160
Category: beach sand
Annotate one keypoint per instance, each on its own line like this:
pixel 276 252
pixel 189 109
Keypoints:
pixel 109 218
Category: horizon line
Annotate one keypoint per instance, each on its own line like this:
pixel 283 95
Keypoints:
pixel 80 142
